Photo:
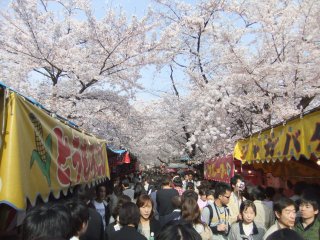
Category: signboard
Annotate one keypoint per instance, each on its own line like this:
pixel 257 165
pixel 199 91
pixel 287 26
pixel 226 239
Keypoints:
pixel 40 154
pixel 299 137
pixel 219 169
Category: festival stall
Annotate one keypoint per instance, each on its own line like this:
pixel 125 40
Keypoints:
pixel 289 150
pixel 219 169
pixel 43 154
pixel 121 162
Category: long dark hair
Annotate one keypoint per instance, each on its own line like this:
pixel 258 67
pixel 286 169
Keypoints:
pixel 121 200
pixel 178 230
pixel 191 211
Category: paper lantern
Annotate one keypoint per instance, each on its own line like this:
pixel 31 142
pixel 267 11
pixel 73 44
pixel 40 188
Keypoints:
pixel 126 158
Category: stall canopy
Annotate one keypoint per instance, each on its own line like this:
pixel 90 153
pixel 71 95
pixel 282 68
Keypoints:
pixel 121 162
pixel 41 154
pixel 295 144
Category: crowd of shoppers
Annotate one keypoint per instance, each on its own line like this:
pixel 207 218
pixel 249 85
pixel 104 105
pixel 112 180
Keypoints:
pixel 172 207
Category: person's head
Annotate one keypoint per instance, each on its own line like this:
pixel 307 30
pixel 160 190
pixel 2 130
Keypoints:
pixel 79 216
pixel 189 194
pixel 82 193
pixel 122 199
pixel 309 207
pixel 47 221
pixel 285 211
pixel 270 192
pixel 129 214
pixel 190 186
pixel 186 177
pixel 116 181
pixel 210 195
pixel 125 183
pixel 256 193
pixel 222 193
pixel 289 184
pixel 202 195
pixel 248 211
pixel 177 182
pixel 138 190
pixel 166 181
pixel 237 183
pixel 176 202
pixel 146 180
pixel 190 211
pixel 284 234
pixel 178 230
pixel 190 176
pixel 299 187
pixel 101 191
pixel 145 205
pixel 117 190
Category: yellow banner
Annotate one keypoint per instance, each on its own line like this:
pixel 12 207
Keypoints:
pixel 40 154
pixel 298 137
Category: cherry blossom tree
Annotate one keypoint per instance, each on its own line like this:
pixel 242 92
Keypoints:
pixel 250 64
pixel 81 67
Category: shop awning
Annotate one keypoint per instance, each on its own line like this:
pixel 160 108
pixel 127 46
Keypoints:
pixel 295 139
pixel 289 150
pixel 41 154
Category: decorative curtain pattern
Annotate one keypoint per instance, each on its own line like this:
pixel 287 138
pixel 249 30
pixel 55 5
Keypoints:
pixel 40 154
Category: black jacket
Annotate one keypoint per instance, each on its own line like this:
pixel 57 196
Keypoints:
pixel 164 203
pixel 155 226
pixel 107 210
pixel 127 233
pixel 95 230
pixel 175 215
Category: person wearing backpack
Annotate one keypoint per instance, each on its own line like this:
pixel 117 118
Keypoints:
pixel 216 214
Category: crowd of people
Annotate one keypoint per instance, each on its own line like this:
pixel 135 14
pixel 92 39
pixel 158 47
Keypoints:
pixel 176 207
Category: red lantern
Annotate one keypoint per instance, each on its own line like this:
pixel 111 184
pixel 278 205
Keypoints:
pixel 126 158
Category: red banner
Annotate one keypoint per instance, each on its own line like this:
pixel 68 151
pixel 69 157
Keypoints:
pixel 220 169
